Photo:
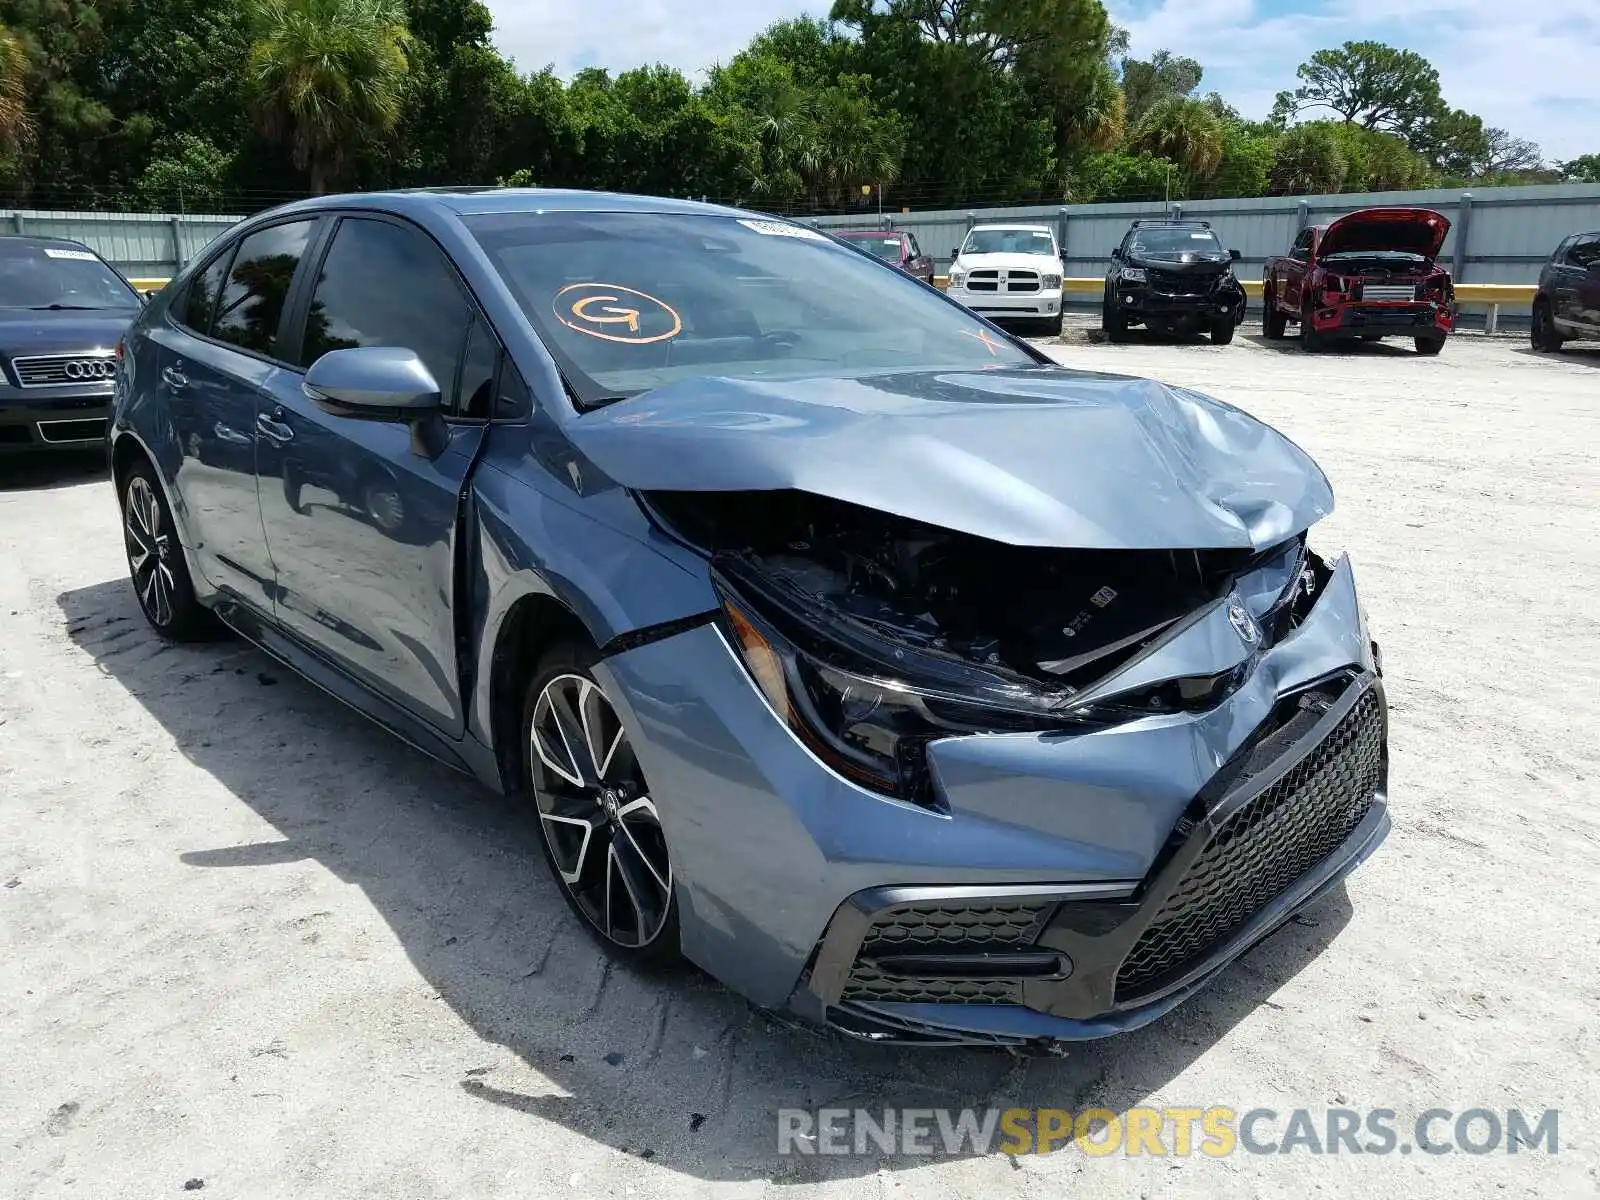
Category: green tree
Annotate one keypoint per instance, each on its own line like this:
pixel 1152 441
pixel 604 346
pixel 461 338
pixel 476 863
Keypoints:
pixel 16 122
pixel 1246 165
pixel 323 76
pixel 1164 76
pixel 186 174
pixel 1183 130
pixel 1583 169
pixel 1377 161
pixel 1310 161
pixel 1117 175
pixel 1365 83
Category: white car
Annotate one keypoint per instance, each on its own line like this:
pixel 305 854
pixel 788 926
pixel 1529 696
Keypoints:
pixel 1010 273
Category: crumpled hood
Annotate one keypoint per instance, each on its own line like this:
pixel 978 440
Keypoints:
pixel 1028 262
pixel 1410 230
pixel 1031 456
pixel 1187 262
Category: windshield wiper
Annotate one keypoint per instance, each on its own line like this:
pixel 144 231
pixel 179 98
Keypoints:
pixel 69 307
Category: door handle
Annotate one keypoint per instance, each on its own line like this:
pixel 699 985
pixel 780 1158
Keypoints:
pixel 174 378
pixel 273 429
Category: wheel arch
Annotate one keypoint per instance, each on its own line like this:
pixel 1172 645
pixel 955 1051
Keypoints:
pixel 528 627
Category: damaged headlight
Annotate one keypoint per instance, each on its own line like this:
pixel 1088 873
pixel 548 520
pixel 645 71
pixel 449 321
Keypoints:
pixel 1132 274
pixel 866 706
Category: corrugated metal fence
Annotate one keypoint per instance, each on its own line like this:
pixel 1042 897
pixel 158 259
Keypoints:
pixel 140 245
pixel 1498 235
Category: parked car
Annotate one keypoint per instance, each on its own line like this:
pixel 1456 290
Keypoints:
pixel 1567 302
pixel 62 309
pixel 1009 273
pixel 893 673
pixel 1172 277
pixel 897 247
pixel 1371 274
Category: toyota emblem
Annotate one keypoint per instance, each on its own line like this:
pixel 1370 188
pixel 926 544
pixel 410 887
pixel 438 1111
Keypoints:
pixel 1241 620
pixel 79 369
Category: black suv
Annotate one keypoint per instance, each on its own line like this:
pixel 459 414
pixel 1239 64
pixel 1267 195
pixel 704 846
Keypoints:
pixel 1172 277
pixel 62 311
pixel 1567 304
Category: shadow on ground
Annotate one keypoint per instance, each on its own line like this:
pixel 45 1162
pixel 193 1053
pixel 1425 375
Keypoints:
pixel 1586 354
pixel 55 469
pixel 1394 347
pixel 672 1068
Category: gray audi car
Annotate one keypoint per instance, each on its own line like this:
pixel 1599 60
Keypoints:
pixel 62 310
pixel 836 640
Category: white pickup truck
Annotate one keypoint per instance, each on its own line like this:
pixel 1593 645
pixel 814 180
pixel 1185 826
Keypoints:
pixel 1010 273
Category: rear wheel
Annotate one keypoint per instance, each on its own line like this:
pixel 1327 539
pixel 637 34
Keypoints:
pixel 602 835
pixel 1543 334
pixel 1429 345
pixel 1273 323
pixel 1222 331
pixel 155 561
pixel 1113 322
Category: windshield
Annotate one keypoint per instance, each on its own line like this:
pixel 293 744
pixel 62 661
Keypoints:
pixel 885 246
pixel 1175 241
pixel 627 302
pixel 1009 241
pixel 33 276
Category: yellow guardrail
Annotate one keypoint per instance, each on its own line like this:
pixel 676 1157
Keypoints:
pixel 149 285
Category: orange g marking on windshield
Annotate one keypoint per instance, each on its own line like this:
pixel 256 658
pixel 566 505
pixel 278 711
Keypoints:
pixel 614 313
pixel 988 340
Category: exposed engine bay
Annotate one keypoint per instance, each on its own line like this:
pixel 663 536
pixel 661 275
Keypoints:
pixel 1060 617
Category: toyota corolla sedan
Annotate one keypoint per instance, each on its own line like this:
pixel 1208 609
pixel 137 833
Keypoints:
pixel 62 309
pixel 838 642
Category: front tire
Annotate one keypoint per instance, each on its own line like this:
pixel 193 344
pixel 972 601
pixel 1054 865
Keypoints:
pixel 156 565
pixel 1543 334
pixel 1310 340
pixel 1113 322
pixel 599 825
pixel 1428 345
pixel 1222 331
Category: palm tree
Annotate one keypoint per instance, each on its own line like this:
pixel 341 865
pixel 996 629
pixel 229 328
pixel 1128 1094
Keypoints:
pixel 844 144
pixel 16 123
pixel 1183 130
pixel 1095 120
pixel 325 74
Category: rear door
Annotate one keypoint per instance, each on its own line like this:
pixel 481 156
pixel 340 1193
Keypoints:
pixel 360 518
pixel 216 359
pixel 1296 269
pixel 1584 265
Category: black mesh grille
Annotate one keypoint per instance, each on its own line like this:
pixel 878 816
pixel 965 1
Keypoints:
pixel 941 927
pixel 1263 848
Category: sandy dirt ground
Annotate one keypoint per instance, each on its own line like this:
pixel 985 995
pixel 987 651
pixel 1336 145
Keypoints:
pixel 253 947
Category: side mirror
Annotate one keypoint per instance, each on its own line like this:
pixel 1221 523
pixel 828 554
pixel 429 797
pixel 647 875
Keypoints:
pixel 1234 254
pixel 377 383
pixel 955 254
pixel 1116 253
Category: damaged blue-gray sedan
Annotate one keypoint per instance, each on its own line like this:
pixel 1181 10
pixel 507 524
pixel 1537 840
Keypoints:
pixel 838 641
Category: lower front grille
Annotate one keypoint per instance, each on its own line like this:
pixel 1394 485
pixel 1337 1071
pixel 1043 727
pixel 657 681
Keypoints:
pixel 1261 849
pixel 949 927
pixel 86 430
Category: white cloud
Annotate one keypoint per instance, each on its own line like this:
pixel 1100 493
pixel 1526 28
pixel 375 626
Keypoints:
pixel 618 34
pixel 1533 74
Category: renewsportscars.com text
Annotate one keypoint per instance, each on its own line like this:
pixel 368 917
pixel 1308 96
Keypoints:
pixel 1214 1132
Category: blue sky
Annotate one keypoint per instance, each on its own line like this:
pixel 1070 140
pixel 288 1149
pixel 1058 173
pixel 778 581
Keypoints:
pixel 1533 74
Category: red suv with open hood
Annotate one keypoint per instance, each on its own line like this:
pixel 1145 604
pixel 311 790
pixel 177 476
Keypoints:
pixel 1371 274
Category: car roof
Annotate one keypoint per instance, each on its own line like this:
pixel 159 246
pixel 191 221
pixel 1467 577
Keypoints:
pixel 474 201
pixel 55 243
pixel 1010 225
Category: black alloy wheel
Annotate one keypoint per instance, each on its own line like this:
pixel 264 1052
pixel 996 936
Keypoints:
pixel 156 564
pixel 602 833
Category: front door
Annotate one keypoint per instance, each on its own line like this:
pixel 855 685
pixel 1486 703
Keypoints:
pixel 360 519
pixel 1585 264
pixel 213 365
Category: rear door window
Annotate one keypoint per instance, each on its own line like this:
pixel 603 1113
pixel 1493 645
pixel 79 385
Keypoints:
pixel 199 302
pixel 1585 252
pixel 252 303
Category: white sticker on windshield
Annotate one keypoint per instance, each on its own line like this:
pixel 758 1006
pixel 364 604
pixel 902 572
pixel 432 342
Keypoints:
pixel 1201 237
pixel 75 255
pixel 782 229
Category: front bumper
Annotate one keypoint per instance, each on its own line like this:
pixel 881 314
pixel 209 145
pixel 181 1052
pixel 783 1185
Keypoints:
pixel 1040 305
pixel 36 423
pixel 782 865
pixel 1420 317
pixel 1149 304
